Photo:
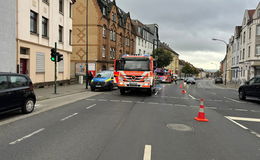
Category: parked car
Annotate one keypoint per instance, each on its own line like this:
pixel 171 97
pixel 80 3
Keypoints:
pixel 16 92
pixel 191 80
pixel 103 80
pixel 251 88
pixel 218 80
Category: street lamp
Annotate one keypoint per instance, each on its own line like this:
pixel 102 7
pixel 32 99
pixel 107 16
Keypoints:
pixel 87 78
pixel 220 40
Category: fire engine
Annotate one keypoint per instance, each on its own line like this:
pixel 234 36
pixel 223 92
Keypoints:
pixel 135 72
pixel 164 75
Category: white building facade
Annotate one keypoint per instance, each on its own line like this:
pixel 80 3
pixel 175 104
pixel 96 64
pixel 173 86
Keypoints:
pixel 144 39
pixel 8 36
pixel 41 23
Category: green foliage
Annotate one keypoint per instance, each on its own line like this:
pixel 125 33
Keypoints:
pixel 164 57
pixel 189 69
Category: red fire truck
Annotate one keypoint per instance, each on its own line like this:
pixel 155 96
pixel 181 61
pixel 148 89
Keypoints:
pixel 135 72
pixel 164 75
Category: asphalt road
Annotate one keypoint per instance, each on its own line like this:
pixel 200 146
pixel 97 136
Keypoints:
pixel 109 126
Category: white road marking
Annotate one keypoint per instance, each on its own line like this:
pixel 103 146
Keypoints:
pixel 233 100
pixel 69 117
pixel 160 89
pixel 180 105
pixel 90 99
pixel 156 93
pixel 245 119
pixel 140 102
pixel 147 152
pixel 212 107
pixel 166 104
pixel 240 125
pixel 127 101
pixel 242 110
pixel 91 106
pixel 102 100
pixel 152 103
pixel 192 96
pixel 254 111
pixel 27 136
pixel 115 100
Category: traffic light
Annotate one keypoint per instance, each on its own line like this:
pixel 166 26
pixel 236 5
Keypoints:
pixel 53 55
pixel 59 57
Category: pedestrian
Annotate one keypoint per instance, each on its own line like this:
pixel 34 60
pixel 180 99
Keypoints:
pixel 90 77
pixel 175 79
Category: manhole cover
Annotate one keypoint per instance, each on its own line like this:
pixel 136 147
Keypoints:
pixel 179 127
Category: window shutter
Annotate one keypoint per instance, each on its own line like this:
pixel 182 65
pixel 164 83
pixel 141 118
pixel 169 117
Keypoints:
pixel 40 63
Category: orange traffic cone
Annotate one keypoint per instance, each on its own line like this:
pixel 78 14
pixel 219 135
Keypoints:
pixel 201 115
pixel 183 91
pixel 181 86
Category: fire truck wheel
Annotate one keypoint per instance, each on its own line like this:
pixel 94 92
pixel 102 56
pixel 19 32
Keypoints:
pixel 122 91
pixel 149 91
pixel 92 88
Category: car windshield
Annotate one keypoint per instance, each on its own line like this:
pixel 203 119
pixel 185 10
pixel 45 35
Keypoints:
pixel 104 75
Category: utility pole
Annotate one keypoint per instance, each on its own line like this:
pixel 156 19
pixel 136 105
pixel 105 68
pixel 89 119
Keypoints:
pixel 87 77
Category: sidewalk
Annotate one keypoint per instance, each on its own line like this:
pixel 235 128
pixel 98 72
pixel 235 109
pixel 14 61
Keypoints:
pixel 229 85
pixel 48 92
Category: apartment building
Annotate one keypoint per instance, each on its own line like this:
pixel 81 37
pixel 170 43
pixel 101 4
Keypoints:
pixel 144 39
pixel 174 66
pixel 41 24
pixel 106 34
pixel 8 36
pixel 235 54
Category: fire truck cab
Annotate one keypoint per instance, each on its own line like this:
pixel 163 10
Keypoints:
pixel 135 72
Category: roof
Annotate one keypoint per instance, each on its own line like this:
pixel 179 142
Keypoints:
pixel 251 13
pixel 167 47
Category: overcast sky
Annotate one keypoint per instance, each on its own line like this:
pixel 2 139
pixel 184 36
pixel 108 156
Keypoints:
pixel 189 25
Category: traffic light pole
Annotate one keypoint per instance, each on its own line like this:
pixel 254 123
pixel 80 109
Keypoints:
pixel 55 71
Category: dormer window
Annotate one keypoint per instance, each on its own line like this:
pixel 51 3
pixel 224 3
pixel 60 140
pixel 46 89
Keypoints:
pixel 114 17
pixel 104 11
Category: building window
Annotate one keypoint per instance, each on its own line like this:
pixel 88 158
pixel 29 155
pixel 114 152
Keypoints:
pixel 70 10
pixel 139 41
pixel 61 6
pixel 33 21
pixel 250 32
pixel 112 53
pixel 104 51
pixel 44 27
pixel 114 36
pixel 258 30
pixel 249 48
pixel 140 51
pixel 258 13
pixel 60 34
pixel 24 50
pixel 257 53
pixel 46 1
pixel 244 37
pixel 111 35
pixel 114 17
pixel 70 37
pixel 104 31
pixel 104 11
pixel 243 54
pixel 237 59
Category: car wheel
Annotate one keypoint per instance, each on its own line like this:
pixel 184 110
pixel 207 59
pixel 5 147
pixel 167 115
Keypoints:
pixel 122 91
pixel 111 87
pixel 93 89
pixel 28 106
pixel 149 92
pixel 242 95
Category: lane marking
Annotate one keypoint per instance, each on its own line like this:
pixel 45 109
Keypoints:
pixel 115 100
pixel 180 105
pixel 90 99
pixel 127 101
pixel 212 107
pixel 242 110
pixel 233 100
pixel 245 119
pixel 70 116
pixel 91 106
pixel 27 136
pixel 156 93
pixel 192 96
pixel 240 125
pixel 102 100
pixel 153 103
pixel 147 152
pixel 140 102
pixel 254 111
pixel 166 104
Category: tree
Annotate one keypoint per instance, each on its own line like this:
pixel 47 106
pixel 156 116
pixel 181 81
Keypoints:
pixel 164 57
pixel 187 69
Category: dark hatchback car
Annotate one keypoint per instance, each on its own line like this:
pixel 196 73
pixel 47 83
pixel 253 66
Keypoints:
pixel 191 80
pixel 16 92
pixel 251 88
pixel 218 80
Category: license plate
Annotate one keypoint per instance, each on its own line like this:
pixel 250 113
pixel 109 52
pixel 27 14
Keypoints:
pixel 98 85
pixel 133 84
